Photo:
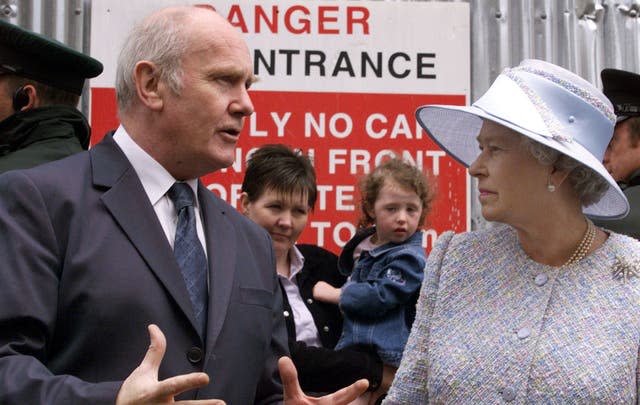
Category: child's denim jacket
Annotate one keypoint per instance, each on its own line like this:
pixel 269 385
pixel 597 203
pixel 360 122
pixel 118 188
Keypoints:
pixel 378 301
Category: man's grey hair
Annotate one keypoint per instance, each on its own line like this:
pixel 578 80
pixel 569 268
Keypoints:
pixel 160 39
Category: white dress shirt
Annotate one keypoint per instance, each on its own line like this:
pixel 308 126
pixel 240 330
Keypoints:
pixel 306 330
pixel 156 181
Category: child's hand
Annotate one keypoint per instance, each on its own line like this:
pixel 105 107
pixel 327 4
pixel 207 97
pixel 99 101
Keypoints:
pixel 325 292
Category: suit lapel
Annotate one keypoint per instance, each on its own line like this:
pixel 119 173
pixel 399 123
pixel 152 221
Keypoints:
pixel 127 202
pixel 221 248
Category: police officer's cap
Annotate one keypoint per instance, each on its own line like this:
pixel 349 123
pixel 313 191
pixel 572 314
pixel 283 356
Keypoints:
pixel 623 89
pixel 34 56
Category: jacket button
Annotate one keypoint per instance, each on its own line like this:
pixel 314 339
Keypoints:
pixel 541 279
pixel 194 355
pixel 309 301
pixel 286 314
pixel 508 394
pixel 325 328
pixel 523 333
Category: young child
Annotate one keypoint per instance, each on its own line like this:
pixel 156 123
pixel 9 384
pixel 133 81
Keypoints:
pixel 385 261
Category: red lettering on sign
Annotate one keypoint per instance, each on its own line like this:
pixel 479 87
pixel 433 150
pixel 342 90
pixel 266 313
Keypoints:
pixel 305 26
pixel 299 19
pixel 379 126
pixel 358 15
pixel 324 18
pixel 261 15
pixel 236 18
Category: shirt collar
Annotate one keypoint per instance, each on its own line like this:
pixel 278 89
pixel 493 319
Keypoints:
pixel 297 262
pixel 155 179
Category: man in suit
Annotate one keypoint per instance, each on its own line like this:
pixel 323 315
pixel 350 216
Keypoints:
pixel 100 246
pixel 622 157
pixel 41 81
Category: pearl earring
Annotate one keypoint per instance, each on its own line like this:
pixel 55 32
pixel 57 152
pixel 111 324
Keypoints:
pixel 551 188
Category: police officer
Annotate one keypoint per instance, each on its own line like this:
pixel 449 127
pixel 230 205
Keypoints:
pixel 41 81
pixel 622 157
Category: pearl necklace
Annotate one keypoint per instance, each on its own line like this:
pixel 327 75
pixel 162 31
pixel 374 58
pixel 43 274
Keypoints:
pixel 584 246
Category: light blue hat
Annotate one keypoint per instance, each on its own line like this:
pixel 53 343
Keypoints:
pixel 546 103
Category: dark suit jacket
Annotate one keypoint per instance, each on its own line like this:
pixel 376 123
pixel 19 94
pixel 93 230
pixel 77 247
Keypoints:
pixel 85 266
pixel 322 369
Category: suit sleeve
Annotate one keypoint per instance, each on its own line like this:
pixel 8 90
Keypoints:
pixel 373 298
pixel 269 389
pixel 410 383
pixel 30 261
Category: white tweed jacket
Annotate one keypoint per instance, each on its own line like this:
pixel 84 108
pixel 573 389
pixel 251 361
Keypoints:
pixel 495 327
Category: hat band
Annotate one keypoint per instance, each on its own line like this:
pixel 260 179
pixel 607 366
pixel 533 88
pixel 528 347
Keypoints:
pixel 555 128
pixel 582 120
pixel 541 107
pixel 584 95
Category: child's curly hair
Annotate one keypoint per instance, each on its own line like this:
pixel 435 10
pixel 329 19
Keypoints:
pixel 406 175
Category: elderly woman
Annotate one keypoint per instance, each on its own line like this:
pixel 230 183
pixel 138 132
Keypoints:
pixel 278 192
pixel 544 308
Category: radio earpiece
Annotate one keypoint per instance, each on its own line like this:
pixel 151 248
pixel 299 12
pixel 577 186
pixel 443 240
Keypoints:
pixel 20 99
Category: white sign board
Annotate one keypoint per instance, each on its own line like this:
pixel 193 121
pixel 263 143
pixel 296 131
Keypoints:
pixel 339 79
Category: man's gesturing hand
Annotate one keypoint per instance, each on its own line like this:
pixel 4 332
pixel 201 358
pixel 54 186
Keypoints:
pixel 142 385
pixel 293 394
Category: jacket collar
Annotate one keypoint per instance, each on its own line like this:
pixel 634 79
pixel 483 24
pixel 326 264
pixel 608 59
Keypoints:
pixel 345 262
pixel 26 127
pixel 634 180
pixel 414 240
pixel 112 170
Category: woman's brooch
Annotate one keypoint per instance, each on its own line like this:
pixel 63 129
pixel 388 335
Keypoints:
pixel 625 270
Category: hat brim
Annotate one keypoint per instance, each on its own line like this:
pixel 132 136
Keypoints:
pixel 455 129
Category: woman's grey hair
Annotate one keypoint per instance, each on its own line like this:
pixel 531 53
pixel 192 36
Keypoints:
pixel 588 185
pixel 160 39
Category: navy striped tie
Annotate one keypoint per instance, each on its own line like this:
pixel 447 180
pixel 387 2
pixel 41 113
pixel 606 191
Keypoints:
pixel 189 253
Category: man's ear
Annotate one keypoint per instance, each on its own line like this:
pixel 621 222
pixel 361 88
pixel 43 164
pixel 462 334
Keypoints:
pixel 26 98
pixel 148 86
